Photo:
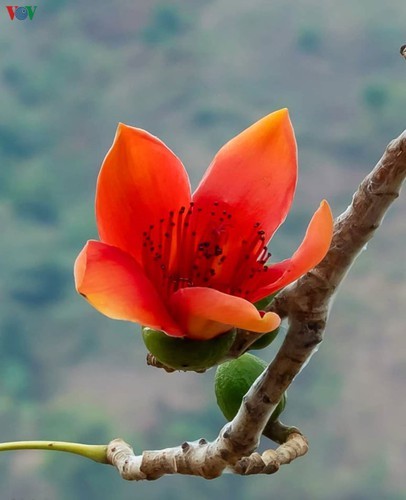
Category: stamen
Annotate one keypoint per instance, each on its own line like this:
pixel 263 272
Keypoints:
pixel 178 252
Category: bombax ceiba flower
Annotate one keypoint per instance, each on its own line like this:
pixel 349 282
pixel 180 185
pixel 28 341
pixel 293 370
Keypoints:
pixel 193 265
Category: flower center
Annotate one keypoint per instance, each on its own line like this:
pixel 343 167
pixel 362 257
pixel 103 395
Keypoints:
pixel 204 246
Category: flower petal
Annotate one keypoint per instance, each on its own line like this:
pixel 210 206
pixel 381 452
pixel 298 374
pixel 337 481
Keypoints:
pixel 115 285
pixel 311 251
pixel 205 313
pixel 140 182
pixel 255 175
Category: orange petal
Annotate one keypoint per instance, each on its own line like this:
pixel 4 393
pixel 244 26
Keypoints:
pixel 115 285
pixel 205 313
pixel 140 182
pixel 311 251
pixel 255 175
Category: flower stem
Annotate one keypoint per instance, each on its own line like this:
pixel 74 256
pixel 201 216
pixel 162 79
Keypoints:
pixel 98 453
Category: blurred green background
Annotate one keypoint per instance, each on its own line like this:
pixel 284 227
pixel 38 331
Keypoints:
pixel 194 73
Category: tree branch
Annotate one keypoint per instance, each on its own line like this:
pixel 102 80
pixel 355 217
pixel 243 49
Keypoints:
pixel 200 458
pixel 305 304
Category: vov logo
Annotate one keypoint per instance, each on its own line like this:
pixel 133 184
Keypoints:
pixel 21 13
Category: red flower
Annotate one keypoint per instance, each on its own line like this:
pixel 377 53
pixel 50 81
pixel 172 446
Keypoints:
pixel 192 265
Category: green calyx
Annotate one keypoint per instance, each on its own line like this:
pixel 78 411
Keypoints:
pixel 233 380
pixel 264 341
pixel 187 354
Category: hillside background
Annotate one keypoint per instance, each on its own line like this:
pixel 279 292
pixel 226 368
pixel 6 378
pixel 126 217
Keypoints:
pixel 194 73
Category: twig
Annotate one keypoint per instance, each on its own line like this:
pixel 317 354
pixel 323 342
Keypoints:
pixel 307 301
pixel 305 304
pixel 200 458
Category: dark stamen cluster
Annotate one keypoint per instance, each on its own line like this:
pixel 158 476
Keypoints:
pixel 199 246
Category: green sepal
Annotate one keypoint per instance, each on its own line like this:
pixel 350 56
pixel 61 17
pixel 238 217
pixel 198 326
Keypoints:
pixel 264 341
pixel 181 353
